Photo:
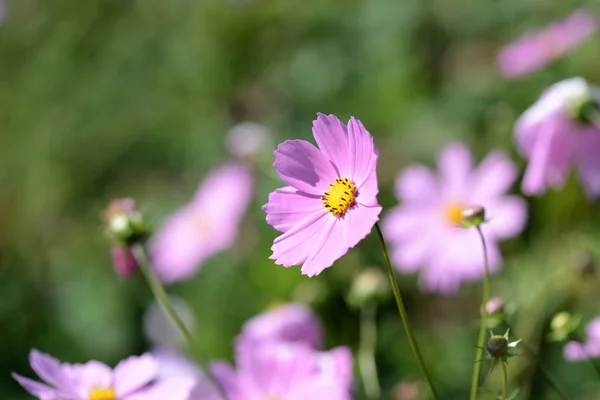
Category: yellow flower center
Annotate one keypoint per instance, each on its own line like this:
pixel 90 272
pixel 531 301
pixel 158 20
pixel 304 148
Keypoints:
pixel 102 394
pixel 454 213
pixel 340 196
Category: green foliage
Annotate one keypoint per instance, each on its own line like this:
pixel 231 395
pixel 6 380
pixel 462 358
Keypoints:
pixel 113 98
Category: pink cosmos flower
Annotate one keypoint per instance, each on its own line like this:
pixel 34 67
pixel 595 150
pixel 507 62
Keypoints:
pixel 286 371
pixel 581 351
pixel 292 322
pixel 130 380
pixel 330 203
pixel 537 49
pixel 551 137
pixel 206 226
pixel 423 231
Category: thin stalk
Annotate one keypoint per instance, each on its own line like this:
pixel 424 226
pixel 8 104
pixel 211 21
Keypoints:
pixel 546 376
pixel 161 297
pixel 504 380
pixel 366 351
pixel 484 315
pixel 401 309
pixel 552 382
pixel 595 366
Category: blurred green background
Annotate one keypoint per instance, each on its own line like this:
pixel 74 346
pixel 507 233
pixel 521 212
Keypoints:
pixel 113 98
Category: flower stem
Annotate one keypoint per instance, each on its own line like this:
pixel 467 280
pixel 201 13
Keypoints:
pixel 482 328
pixel 504 380
pixel 139 252
pixel 404 316
pixel 366 351
pixel 552 382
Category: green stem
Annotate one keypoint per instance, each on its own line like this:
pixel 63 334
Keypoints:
pixel 552 382
pixel 366 351
pixel 404 316
pixel 139 253
pixel 504 380
pixel 546 376
pixel 482 328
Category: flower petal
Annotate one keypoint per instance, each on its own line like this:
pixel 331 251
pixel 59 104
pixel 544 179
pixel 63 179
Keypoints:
pixel 90 375
pixel 494 176
pixel 367 195
pixel 589 163
pixel 507 217
pixel 330 247
pixel 417 183
pixel 226 376
pixel 332 137
pixel 134 373
pixel 358 223
pixel 362 154
pixel 172 389
pixel 288 206
pixel 43 392
pixel 549 161
pixel 301 165
pixel 47 368
pixel 297 244
pixel 455 163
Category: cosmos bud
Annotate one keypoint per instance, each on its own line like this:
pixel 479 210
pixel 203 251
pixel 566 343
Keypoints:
pixel 473 216
pixel 498 348
pixel 562 325
pixel 123 222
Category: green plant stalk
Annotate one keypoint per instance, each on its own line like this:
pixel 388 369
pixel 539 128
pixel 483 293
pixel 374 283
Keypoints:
pixel 401 309
pixel 484 315
pixel 366 351
pixel 139 253
pixel 504 380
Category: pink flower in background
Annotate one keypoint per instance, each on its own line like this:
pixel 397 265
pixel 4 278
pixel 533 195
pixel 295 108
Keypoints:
pixel 292 322
pixel 554 135
pixel 537 49
pixel 423 232
pixel 331 201
pixel 130 380
pixel 581 351
pixel 286 371
pixel 204 227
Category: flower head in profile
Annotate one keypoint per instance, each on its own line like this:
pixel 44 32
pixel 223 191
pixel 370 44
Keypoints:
pixel 130 380
pixel 589 349
pixel 204 227
pixel 293 322
pixel 557 133
pixel 330 203
pixel 424 230
pixel 538 48
pixel 286 371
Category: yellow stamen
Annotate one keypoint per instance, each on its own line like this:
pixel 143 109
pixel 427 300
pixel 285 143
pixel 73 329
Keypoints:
pixel 102 394
pixel 454 213
pixel 340 197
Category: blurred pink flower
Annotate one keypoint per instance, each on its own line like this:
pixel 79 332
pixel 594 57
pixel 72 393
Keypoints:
pixel 123 260
pixel 550 135
pixel 538 48
pixel 286 371
pixel 130 380
pixel 293 322
pixel 423 232
pixel 204 227
pixel 331 201
pixel 581 351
